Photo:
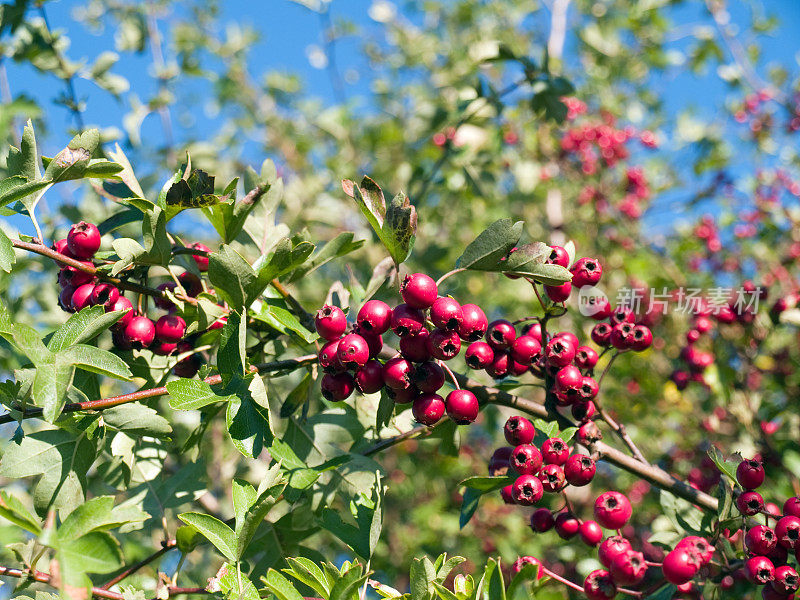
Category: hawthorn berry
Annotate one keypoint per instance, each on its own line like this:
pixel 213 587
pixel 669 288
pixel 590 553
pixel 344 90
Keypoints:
pixel 555 451
pixel 443 344
pixel 760 540
pixel 140 332
pixel 552 478
pixel 353 351
pixel 61 247
pixel 428 408
pixel 583 410
pixel 542 520
pixel 415 347
pixel 612 510
pixel 628 568
pixel 407 320
pixel 792 507
pixel 787 532
pixel 558 256
pixel 462 406
pixel 330 322
pixel 479 355
pixel 369 378
pixel 601 334
pixel 579 470
pixel 501 334
pixel 586 357
pixel 337 386
pixel 525 348
pixel 163 348
pixel 590 533
pixel 507 495
pixel 519 430
pixel 500 367
pixel 526 459
pixel 586 271
pixel 569 379
pixel 750 474
pixel 65 298
pixel 446 314
pixel 170 329
pixel 534 330
pixel 105 295
pixel 327 358
pixel 599 585
pixel 520 563
pixel 473 323
pixel 785 580
pixel 611 548
pixel 759 570
pixel 559 352
pixel 588 434
pixel 165 303
pixel 622 314
pixel 558 293
pixel 498 463
pixel 622 335
pixel 681 565
pixel 82 297
pixel 190 283
pixel 750 503
pixel 374 316
pixel 122 303
pixel 589 389
pixel 374 341
pixel 642 338
pixel 83 240
pixel 188 367
pixel 398 373
pixel 428 377
pixel 418 290
pixel 75 277
pixel 402 396
pixel 567 526
pixel 527 490
pixel 201 260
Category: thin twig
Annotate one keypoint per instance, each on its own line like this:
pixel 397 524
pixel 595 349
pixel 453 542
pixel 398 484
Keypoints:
pixel 165 547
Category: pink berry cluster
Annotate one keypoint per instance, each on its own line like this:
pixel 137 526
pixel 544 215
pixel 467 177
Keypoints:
pixel 430 329
pixel 767 549
pixel 134 330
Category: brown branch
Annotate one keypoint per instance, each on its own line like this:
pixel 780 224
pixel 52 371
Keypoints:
pixel 165 547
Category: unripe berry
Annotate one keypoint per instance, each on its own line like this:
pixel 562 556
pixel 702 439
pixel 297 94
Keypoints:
pixel 558 293
pixel 787 531
pixel 415 347
pixel 612 510
pixel 552 478
pixel 374 317
pixel 527 560
pixel 164 302
pixel 680 565
pixel 760 540
pixel 140 332
pixel 785 580
pixel 190 283
pixel 558 256
pixel 590 533
pixel 759 570
pixel 83 240
pixel 82 297
pixel 501 365
pixel 525 348
pixel 473 323
pixel 428 409
pixel 479 355
pixel 526 459
pixel 642 338
pixel 444 345
pixel 446 314
pixel 519 430
pixel 750 474
pixel 792 507
pixel 407 320
pixel 750 503
pixel 330 322
pixel 559 352
pixel 418 290
pixel 586 357
pixel 542 520
pixel 601 334
pixel 462 406
pixel 500 334
pixel 527 490
pixel 170 329
pixel 567 525
pixel 428 377
pixel 583 411
pixel 611 548
pixel 105 295
pixel 369 378
pixel 328 361
pixel 628 568
pixel 599 585
pixel 586 271
pixel 579 470
pixel 555 451
pixel 337 386
pixel 622 335
pixel 201 260
pixel 397 373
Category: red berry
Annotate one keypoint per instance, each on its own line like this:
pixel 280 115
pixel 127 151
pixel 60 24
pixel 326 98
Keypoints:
pixel 201 260
pixel 446 314
pixel 622 314
pixel 83 240
pixel 121 304
pixel 579 470
pixel 525 348
pixel 760 540
pixel 519 430
pixel 374 341
pixel 82 297
pixel 612 510
pixel 558 256
pixel 588 434
pixel 473 323
pixel 330 322
pixel 170 328
pixel 418 290
pixel 528 560
pixel 622 335
pixel 759 570
pixel 397 373
pixel 787 531
pixel 374 316
pixel 601 334
pixel 501 334
pixel 428 377
pixel 462 406
pixel 60 246
pixel 407 320
pixel 582 410
pixel 526 459
pixel 559 352
pixel 792 507
pixel 750 474
pixel 163 348
pixel 402 396
pixel 188 367
pixel 558 293
pixel 534 330
pixel 369 378
pixel 428 408
pixel 642 338
pixel 542 520
pixel 415 347
pixel 218 323
pixel 567 525
pixel 599 585
pixel 328 360
pixel 105 295
pixel 611 548
pixel 517 368
pixel 190 283
pixel 552 478
pixel 569 379
pixel 500 367
pixel 586 357
pixel 785 580
pixel 163 301
pixel 140 332
pixel 353 351
pixel 337 386
pixel 681 565
pixel 498 464
pixel 750 503
pixel 555 451
pixel 444 345
pixel 479 355
pixel 591 533
pixel 628 568
pixel 527 490
pixel 589 389
pixel 586 271
pixel 506 494
pixel 75 277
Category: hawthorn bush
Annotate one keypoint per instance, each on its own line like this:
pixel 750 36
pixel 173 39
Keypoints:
pixel 524 373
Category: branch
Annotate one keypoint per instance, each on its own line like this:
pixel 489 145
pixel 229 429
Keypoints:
pixel 165 547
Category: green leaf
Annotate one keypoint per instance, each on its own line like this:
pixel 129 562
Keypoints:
pixel 443 592
pixel 235 585
pixel 7 256
pixel 547 428
pixel 726 466
pixel 83 326
pixel 247 417
pixel 469 504
pixel 191 394
pixel 215 531
pixel 284 321
pixel 683 515
pixel 528 573
pixel 280 586
pixel 529 261
pixel 97 514
pixel 12 509
pixel 25 160
pixel 297 397
pixel 73 161
pixel 243 495
pixel 484 253
pixel 347 587
pixel 339 246
pixel 194 190
pixel 307 572
pixel 485 484
pixel 96 552
pixel 137 420
pixel 422 575
pixel 288 255
pixel 232 276
pixel 254 515
pixel 95 360
pixel 231 355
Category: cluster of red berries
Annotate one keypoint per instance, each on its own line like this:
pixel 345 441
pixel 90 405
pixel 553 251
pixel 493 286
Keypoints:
pixel 768 548
pixel 351 359
pixel 635 190
pixel 80 289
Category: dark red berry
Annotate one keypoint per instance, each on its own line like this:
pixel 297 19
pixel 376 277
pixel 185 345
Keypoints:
pixel 190 283
pixel 787 530
pixel 588 433
pixel 170 328
pixel 201 260
pixel 759 570
pixel 374 317
pixel 163 301
pixel 792 507
pixel 61 247
pixel 402 396
pixel 569 379
pixel 526 459
pixel 601 334
pixel 558 293
pixel 586 357
pixel 586 271
pixel 579 470
pixel 520 563
pixel 750 474
pixel 498 464
pixel 555 451
pixel 527 490
pixel 559 352
pixel 443 344
pixel 622 314
pixel 428 377
pixel 407 320
pixel 122 304
pixel 462 406
pixel 583 411
pixel 525 348
pixel 506 494
pixel 428 408
pixel 622 335
pixel 552 478
pixel 500 367
pixel 75 277
pixel 500 334
pixel 542 520
pixel 337 386
pixel 105 295
pixel 750 503
pixel 642 338
pixel 612 510
pixel 140 332
pixel 760 540
pixel 374 341
pixel 611 548
pixel 628 568
pixel 446 314
pixel 567 525
pixel 83 240
pixel 398 373
pixel 599 585
pixel 680 565
pixel 558 256
pixel 473 323
pixel 785 580
pixel 519 430
pixel 589 389
pixel 415 347
pixel 479 355
pixel 418 290
pixel 369 378
pixel 163 348
pixel 330 322
pixel 188 367
pixel 353 351
pixel 82 297
pixel 65 298
pixel 328 360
